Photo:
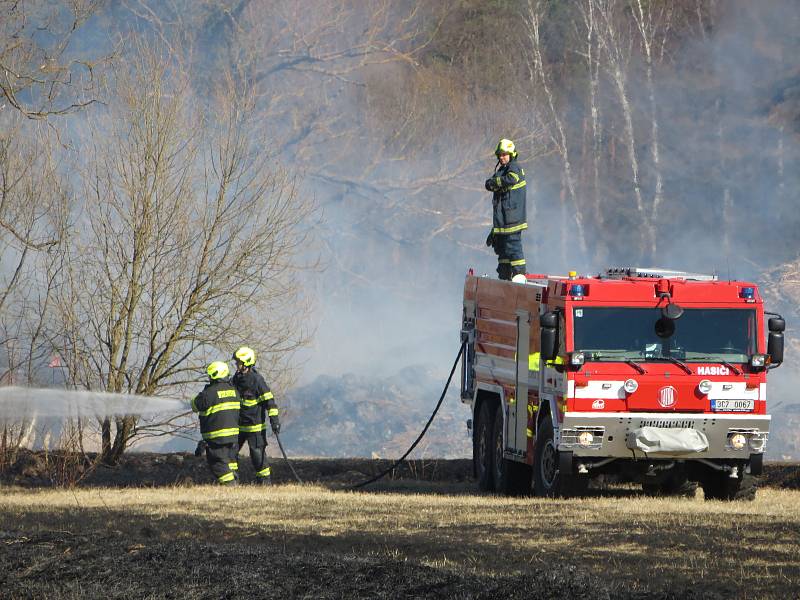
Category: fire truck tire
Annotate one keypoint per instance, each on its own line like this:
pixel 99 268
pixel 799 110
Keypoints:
pixel 719 486
pixel 548 480
pixel 482 451
pixel 510 477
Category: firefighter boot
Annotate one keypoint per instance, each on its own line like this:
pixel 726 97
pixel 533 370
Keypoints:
pixel 201 448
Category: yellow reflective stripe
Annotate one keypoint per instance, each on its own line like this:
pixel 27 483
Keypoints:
pixel 514 175
pixel 498 182
pixel 513 229
pixel 221 433
pixel 233 466
pixel 264 472
pixel 522 171
pixel 516 186
pixel 220 407
pixel 226 478
pixel 226 394
pixel 504 261
pixel 533 362
pixel 266 396
pixel 194 406
pixel 252 428
pixel 272 412
pixel 250 402
pixel 518 263
pixel 530 410
pixel 529 432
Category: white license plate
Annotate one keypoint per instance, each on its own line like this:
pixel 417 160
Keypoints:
pixel 732 405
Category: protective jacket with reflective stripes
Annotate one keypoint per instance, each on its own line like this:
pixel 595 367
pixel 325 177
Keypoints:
pixel 218 408
pixel 508 202
pixel 257 399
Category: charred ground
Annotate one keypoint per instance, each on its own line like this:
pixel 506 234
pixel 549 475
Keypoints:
pixel 46 469
pixel 150 528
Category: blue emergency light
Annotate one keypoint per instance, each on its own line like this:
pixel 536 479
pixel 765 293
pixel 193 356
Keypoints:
pixel 747 293
pixel 576 289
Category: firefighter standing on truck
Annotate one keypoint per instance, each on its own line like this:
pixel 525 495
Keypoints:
pixel 509 212
pixel 257 401
pixel 218 408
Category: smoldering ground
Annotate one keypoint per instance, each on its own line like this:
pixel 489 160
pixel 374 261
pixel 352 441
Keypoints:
pixel 293 541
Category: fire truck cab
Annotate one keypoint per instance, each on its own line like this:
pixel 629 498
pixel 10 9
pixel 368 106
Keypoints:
pixel 653 376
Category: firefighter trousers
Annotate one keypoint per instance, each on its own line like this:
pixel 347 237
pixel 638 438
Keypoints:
pixel 257 443
pixel 219 457
pixel 510 260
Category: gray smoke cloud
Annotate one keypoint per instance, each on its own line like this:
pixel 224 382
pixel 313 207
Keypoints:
pixel 389 295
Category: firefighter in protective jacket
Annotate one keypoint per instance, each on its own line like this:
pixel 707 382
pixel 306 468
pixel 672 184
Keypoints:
pixel 218 408
pixel 509 211
pixel 257 403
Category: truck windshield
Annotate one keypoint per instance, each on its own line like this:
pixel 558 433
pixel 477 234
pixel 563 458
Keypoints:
pixel 700 335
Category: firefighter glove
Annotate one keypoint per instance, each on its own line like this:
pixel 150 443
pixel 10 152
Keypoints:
pixel 201 447
pixel 276 424
pixel 490 239
pixel 491 184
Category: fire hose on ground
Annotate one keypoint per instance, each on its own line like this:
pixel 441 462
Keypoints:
pixel 407 452
pixel 424 429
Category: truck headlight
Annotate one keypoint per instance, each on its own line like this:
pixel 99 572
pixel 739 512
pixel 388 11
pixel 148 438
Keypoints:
pixel 704 386
pixel 585 438
pixel 576 359
pixel 757 443
pixel 737 441
pixel 757 361
pixel 630 385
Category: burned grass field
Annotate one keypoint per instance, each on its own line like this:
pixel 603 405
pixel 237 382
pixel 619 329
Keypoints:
pixel 410 538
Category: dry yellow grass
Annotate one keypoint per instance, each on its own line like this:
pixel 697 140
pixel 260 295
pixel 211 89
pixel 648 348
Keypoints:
pixel 629 542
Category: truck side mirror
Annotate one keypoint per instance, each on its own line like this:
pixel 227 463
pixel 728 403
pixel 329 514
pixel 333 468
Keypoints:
pixel 665 327
pixel 549 336
pixel 672 311
pixel 776 325
pixel 775 346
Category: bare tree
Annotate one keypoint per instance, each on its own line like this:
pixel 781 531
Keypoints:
pixel 39 75
pixel 591 56
pixel 653 21
pixel 541 78
pixel 33 208
pixel 188 242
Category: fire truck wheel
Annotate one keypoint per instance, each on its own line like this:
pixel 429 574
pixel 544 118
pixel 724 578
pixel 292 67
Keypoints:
pixel 719 486
pixel 482 451
pixel 510 477
pixel 547 479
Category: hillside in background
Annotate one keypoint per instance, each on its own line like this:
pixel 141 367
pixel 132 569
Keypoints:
pixel 652 133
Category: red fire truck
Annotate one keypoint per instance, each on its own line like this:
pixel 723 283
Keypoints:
pixel 653 376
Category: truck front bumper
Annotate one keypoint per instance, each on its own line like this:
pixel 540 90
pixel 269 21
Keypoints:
pixel 612 435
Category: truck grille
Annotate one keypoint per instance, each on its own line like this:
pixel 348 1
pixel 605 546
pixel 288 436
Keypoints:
pixel 667 423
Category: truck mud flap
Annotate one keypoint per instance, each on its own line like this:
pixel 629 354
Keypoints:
pixel 565 463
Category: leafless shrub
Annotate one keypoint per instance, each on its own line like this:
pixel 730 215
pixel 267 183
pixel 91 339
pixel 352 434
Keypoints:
pixel 188 240
pixel 12 436
pixel 66 464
